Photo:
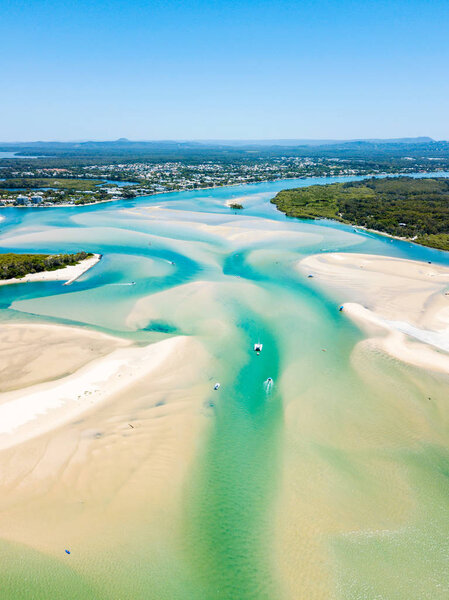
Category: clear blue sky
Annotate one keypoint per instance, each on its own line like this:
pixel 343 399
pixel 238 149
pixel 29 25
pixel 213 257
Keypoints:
pixel 223 69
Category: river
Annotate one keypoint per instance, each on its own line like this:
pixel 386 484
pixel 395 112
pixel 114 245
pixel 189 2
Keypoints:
pixel 313 486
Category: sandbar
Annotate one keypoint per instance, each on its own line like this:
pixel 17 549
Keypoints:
pixel 31 411
pixel 407 300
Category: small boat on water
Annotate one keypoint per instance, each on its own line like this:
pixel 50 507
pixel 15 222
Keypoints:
pixel 216 386
pixel 258 348
pixel 268 385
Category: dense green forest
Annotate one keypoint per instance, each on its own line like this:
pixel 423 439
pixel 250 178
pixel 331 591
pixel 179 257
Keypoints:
pixel 19 265
pixel 416 209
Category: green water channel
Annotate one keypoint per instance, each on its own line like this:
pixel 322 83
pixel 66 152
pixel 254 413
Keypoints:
pixel 230 546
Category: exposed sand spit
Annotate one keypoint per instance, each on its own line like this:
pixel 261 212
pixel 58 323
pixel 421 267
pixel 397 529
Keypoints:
pixel 115 473
pixel 406 298
pixel 42 407
pixel 34 353
pixel 67 274
pixel 239 230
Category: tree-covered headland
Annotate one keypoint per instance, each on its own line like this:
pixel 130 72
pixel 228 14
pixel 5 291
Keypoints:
pixel 415 209
pixel 19 265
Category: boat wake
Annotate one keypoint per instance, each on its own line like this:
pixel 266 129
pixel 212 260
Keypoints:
pixel 131 283
pixel 268 385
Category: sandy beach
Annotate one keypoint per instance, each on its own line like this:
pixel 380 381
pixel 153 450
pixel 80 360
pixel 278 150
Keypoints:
pixel 68 274
pixel 32 353
pixel 101 450
pixel 34 409
pixel 405 299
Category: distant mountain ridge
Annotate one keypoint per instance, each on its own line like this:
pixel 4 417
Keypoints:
pixel 312 142
pixel 124 149
pixel 223 142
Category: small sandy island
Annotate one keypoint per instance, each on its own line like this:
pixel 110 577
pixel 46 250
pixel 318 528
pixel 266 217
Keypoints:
pixel 406 300
pixel 67 274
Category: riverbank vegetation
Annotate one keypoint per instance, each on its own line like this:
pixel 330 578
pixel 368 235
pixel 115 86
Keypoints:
pixel 59 183
pixel 415 209
pixel 18 265
pixel 52 174
pixel 49 191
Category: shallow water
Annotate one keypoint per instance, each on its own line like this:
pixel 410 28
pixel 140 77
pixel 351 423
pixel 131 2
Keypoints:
pixel 330 483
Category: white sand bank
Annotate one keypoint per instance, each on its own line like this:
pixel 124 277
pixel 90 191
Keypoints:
pixel 247 231
pixel 32 353
pixel 398 343
pixel 117 470
pixel 238 229
pixel 30 412
pixel 67 274
pixel 405 298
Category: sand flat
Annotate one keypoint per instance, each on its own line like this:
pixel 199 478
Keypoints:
pixel 166 488
pixel 122 462
pixel 32 353
pixel 403 298
pixel 240 230
pixel 42 407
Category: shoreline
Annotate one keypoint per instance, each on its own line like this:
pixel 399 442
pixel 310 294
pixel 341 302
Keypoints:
pixel 229 185
pixel 69 274
pixel 402 304
pixel 362 228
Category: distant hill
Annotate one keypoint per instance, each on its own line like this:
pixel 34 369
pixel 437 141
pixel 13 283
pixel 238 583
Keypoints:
pixel 308 142
pixel 378 150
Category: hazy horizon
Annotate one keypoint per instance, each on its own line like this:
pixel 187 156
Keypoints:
pixel 230 141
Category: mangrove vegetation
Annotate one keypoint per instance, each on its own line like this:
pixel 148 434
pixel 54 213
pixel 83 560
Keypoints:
pixel 405 207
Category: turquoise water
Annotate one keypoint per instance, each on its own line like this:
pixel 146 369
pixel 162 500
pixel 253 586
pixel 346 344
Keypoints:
pixel 286 497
